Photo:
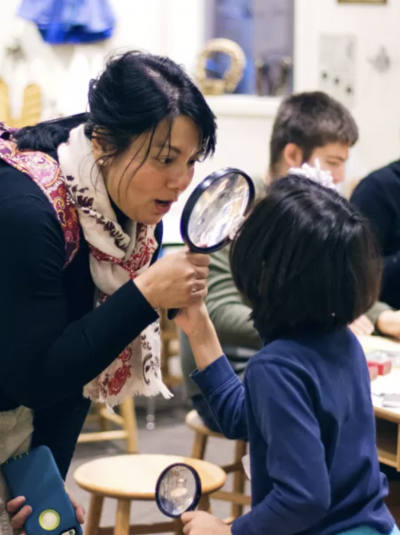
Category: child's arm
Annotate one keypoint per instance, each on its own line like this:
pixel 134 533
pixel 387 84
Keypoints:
pixel 280 396
pixel 217 381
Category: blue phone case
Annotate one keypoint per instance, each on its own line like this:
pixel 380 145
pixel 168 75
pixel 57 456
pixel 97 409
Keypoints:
pixel 35 475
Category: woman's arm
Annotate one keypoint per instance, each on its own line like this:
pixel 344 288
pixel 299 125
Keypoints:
pixel 217 381
pixel 44 354
pixel 43 357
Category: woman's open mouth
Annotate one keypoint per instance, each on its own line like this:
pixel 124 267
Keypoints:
pixel 163 206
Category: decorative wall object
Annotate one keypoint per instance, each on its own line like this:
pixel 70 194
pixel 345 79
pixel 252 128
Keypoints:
pixel 31 109
pixel 381 61
pixel 230 79
pixel 31 106
pixel 273 46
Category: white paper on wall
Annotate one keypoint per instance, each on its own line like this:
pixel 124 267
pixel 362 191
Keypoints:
pixel 337 66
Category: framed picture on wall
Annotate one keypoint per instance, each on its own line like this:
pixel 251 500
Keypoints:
pixel 362 1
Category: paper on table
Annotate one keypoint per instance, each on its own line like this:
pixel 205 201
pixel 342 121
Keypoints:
pixel 386 384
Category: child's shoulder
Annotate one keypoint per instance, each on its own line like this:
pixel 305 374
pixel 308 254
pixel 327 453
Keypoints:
pixel 280 352
pixel 312 351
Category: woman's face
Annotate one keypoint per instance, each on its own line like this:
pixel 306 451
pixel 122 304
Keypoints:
pixel 145 193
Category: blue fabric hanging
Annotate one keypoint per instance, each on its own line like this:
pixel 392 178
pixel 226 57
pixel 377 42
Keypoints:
pixel 70 21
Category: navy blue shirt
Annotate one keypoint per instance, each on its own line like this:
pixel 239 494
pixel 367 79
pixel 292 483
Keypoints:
pixel 378 198
pixel 52 341
pixel 306 405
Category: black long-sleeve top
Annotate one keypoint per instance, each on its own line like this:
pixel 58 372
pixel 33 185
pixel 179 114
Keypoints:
pixel 52 341
pixel 378 197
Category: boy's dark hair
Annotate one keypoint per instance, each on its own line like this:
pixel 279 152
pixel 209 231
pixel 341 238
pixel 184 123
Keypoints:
pixel 310 120
pixel 305 259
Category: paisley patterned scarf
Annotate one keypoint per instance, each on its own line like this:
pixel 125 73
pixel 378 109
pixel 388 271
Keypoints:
pixel 77 192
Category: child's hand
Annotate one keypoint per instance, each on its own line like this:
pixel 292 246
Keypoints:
pixel 199 523
pixel 362 326
pixel 193 320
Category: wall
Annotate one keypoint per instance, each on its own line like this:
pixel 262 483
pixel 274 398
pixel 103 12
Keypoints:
pixel 377 96
pixel 178 28
pixel 170 27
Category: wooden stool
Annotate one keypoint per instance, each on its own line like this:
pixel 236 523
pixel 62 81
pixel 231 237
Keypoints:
pixel 202 433
pixel 126 420
pixel 130 478
pixel 169 349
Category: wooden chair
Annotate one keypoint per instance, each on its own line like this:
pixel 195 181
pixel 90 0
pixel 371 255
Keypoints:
pixel 237 496
pixel 169 349
pixel 130 478
pixel 126 421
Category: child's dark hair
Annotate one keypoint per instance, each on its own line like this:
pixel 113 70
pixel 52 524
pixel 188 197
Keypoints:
pixel 305 259
pixel 132 96
pixel 310 120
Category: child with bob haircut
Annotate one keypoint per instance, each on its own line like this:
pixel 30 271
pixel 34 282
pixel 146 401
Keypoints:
pixel 307 264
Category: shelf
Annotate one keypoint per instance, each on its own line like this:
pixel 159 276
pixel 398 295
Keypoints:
pixel 387 442
pixel 244 106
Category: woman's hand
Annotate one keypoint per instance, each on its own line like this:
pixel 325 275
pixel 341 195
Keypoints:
pixel 177 280
pixel 20 516
pixel 79 509
pixel 20 511
pixel 199 523
pixel 389 323
pixel 362 326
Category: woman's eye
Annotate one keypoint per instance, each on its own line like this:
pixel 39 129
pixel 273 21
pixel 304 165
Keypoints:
pixel 192 162
pixel 165 161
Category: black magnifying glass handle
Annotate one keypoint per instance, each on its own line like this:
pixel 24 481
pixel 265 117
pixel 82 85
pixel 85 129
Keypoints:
pixel 172 313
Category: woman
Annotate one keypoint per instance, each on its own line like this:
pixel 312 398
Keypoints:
pixel 81 204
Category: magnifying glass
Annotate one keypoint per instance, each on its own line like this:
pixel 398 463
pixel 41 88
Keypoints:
pixel 215 211
pixel 178 490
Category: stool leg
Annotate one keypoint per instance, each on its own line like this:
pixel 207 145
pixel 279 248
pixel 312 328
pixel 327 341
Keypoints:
pixel 239 477
pixel 393 500
pixel 199 446
pixel 129 416
pixel 94 515
pixel 122 518
pixel 204 504
pixel 103 422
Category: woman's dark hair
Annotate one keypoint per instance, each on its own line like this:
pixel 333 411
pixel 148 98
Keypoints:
pixel 134 93
pixel 305 259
